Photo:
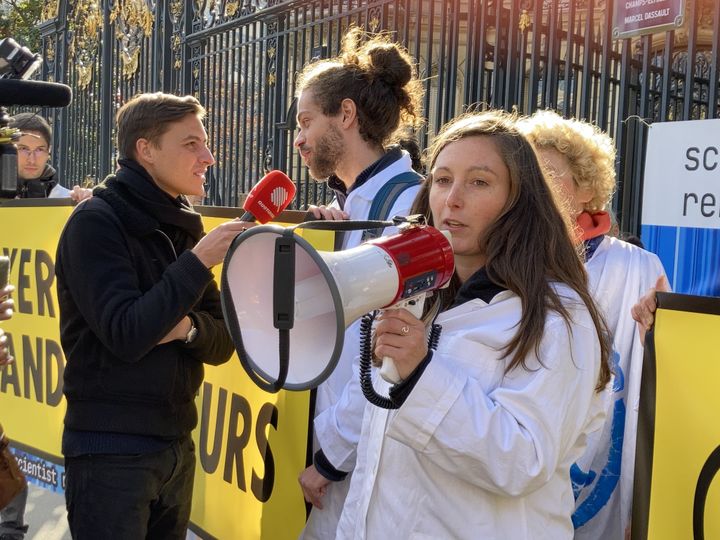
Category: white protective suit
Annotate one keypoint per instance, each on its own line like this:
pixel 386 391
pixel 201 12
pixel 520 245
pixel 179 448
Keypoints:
pixel 619 273
pixel 474 453
pixel 339 406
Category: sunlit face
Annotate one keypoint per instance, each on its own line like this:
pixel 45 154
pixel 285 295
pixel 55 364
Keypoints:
pixel 33 153
pixel 470 187
pixel 558 170
pixel 319 139
pixel 180 159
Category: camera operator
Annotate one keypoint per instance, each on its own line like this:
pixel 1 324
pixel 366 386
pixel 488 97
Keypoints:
pixel 36 177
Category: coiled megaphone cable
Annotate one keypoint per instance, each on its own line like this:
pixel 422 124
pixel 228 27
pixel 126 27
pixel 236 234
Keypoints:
pixel 366 360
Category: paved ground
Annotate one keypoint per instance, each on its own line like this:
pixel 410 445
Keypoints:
pixel 46 515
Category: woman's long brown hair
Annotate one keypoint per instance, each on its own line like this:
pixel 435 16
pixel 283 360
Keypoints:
pixel 530 245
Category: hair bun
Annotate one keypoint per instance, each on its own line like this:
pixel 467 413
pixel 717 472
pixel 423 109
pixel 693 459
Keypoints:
pixel 388 65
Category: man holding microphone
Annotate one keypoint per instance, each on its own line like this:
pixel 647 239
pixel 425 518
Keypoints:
pixel 140 315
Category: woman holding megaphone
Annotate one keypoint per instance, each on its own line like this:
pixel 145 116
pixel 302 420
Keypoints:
pixel 488 424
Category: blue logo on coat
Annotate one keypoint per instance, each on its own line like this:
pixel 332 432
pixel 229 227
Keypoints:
pixel 610 475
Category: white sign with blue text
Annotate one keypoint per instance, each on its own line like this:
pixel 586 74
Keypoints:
pixel 681 203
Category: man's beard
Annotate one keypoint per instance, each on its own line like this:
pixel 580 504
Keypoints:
pixel 327 154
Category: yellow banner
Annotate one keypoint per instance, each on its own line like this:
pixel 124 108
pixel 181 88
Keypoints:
pixel 251 445
pixel 31 401
pixel 677 490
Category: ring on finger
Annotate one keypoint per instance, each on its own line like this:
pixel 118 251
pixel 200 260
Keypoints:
pixel 405 330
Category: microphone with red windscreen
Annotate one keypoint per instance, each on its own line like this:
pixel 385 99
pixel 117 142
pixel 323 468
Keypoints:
pixel 268 197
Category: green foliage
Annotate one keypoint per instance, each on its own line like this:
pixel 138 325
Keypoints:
pixel 20 22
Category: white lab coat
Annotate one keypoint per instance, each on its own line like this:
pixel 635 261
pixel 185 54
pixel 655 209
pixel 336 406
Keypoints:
pixel 619 273
pixel 59 192
pixel 340 405
pixel 474 453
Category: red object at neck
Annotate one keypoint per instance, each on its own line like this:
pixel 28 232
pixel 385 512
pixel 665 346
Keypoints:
pixel 593 224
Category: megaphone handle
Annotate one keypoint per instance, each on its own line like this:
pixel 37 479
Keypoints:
pixel 414 305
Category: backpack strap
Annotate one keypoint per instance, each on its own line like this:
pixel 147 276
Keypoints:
pixel 386 197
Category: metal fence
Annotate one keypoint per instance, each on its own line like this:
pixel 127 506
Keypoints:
pixel 241 59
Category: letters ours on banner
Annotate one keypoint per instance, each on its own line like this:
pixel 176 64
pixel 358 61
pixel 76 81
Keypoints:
pixel 250 445
pixel 677 485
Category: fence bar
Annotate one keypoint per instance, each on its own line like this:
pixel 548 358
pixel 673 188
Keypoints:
pixel 243 64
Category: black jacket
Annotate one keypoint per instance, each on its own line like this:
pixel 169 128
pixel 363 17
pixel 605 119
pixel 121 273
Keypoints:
pixel 125 278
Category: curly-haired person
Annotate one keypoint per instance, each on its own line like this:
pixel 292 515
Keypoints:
pixel 581 158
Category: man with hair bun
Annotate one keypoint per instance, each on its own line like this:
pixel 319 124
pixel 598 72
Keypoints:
pixel 351 109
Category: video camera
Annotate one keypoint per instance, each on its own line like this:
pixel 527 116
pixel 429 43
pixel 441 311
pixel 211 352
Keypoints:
pixel 18 63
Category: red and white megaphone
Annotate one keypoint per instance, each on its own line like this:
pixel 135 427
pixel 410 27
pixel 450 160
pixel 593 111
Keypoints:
pixel 315 295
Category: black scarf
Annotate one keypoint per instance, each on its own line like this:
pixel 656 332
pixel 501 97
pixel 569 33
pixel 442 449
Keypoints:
pixel 174 216
pixel 478 285
pixel 40 187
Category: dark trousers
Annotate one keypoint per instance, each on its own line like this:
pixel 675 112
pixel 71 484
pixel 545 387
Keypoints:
pixel 12 526
pixel 131 496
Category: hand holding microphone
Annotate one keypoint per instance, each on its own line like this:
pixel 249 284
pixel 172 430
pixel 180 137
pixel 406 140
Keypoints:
pixel 212 247
pixel 270 196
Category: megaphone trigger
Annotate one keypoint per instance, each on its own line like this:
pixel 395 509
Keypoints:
pixel 414 305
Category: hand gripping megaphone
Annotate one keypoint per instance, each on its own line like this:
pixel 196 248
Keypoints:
pixel 287 305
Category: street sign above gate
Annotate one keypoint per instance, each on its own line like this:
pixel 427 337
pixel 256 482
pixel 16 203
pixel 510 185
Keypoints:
pixel 637 17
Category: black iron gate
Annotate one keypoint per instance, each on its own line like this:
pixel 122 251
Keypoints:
pixel 241 58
